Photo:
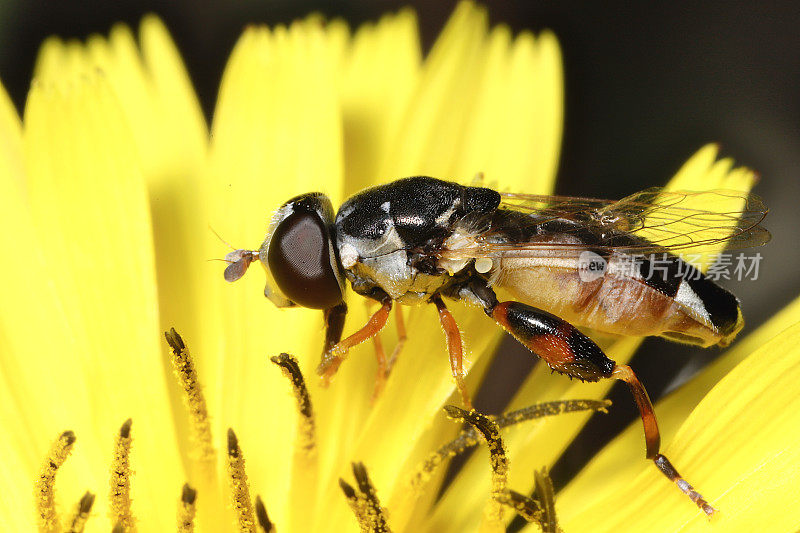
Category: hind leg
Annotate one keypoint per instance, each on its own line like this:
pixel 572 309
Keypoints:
pixel 568 351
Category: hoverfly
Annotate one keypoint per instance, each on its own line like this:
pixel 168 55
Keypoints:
pixel 421 239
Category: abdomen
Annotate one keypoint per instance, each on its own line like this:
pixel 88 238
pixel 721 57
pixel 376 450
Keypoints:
pixel 625 300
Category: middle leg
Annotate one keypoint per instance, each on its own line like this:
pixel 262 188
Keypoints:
pixel 454 347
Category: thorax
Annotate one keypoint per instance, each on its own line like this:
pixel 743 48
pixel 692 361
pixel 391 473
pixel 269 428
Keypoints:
pixel 388 237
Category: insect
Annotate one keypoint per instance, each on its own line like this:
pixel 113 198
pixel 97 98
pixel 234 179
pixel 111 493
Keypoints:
pixel 423 240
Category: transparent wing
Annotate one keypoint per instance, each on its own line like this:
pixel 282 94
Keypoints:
pixel 653 220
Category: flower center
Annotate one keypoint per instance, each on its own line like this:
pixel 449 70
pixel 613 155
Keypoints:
pixel 252 514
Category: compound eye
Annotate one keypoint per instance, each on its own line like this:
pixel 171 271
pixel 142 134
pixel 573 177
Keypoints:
pixel 299 259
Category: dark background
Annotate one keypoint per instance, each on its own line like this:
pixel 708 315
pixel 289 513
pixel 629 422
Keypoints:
pixel 647 84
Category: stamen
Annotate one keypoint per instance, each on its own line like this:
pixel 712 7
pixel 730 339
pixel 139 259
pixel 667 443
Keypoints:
pixel 262 517
pixel 303 488
pixel 240 492
pixel 120 492
pixel 497 456
pixel 364 502
pixel 354 502
pixel 200 423
pixel 78 522
pixel 45 488
pixel 291 370
pixel 187 509
pixel 468 438
pixel 540 410
pixel 373 509
pixel 543 498
pixel 491 434
pixel 543 489
pixel 526 507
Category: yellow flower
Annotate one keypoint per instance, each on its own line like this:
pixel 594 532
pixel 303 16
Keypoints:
pixel 109 184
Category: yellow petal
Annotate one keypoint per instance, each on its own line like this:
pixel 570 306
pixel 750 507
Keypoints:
pixel 276 134
pixel 20 427
pixel 739 445
pixel 169 141
pixel 614 460
pixel 10 136
pixel 97 332
pixel 379 75
pixel 484 103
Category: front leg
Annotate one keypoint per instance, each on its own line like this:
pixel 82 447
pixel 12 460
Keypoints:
pixel 334 325
pixel 334 355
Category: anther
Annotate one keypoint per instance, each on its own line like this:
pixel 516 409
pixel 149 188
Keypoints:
pixel 304 456
pixel 195 403
pixel 468 438
pixel 261 516
pixel 491 434
pixel 497 454
pixel 546 496
pixel 354 502
pixel 543 498
pixel 45 487
pixel 349 492
pixel 364 501
pixel 542 509
pixel 540 410
pixel 78 522
pixel 526 507
pixel 240 491
pixel 120 483
pixel 292 371
pixel 187 509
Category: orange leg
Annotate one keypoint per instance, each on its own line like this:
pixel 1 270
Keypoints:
pixel 383 369
pixel 332 358
pixel 454 347
pixel 384 365
pixel 570 352
pixel 653 437
pixel 401 336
